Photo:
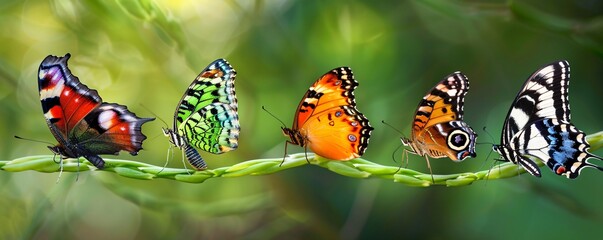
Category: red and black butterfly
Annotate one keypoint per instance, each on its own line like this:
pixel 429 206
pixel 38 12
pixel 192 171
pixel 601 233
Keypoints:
pixel 82 123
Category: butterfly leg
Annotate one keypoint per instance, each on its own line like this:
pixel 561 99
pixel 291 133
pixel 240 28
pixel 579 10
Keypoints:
pixel 485 161
pixel 55 161
pixel 429 166
pixel 60 165
pixel 404 156
pixel 306 153
pixel 494 165
pixel 284 156
pixel 77 175
pixel 167 157
pixel 183 162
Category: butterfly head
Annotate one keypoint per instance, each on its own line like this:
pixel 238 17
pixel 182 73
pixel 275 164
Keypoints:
pixel 63 151
pixel 497 148
pixel 75 152
pixel 296 137
pixel 407 142
pixel 173 137
pixel 505 152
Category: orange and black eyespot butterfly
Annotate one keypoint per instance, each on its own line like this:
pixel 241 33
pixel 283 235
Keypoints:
pixel 438 129
pixel 327 121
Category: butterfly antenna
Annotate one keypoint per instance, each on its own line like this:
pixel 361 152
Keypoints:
pixel 266 110
pixel 156 116
pixel 489 135
pixel 392 127
pixel 33 140
pixel 60 162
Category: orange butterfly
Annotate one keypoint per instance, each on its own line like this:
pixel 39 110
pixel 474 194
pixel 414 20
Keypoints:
pixel 327 121
pixel 438 130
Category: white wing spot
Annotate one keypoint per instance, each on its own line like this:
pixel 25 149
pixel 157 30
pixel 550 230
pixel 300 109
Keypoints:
pixel 452 92
pixel 104 119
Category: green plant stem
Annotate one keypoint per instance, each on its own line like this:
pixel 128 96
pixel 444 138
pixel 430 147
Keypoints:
pixel 356 168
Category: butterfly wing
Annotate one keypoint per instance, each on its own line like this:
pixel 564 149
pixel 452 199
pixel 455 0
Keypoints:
pixel 207 113
pixel 65 100
pixel 109 129
pixel 214 128
pixel 83 124
pixel 327 120
pixel 438 129
pixel 214 84
pixel 560 145
pixel 544 95
pixel 334 89
pixel 341 133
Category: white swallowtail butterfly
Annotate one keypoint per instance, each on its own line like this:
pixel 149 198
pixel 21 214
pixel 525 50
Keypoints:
pixel 538 125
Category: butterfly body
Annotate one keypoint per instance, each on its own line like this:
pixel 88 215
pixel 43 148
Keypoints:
pixel 438 128
pixel 538 125
pixel 83 125
pixel 327 120
pixel 206 117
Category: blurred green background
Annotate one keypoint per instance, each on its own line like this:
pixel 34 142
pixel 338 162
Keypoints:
pixel 147 52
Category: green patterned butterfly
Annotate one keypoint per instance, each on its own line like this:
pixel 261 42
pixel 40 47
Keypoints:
pixel 206 117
